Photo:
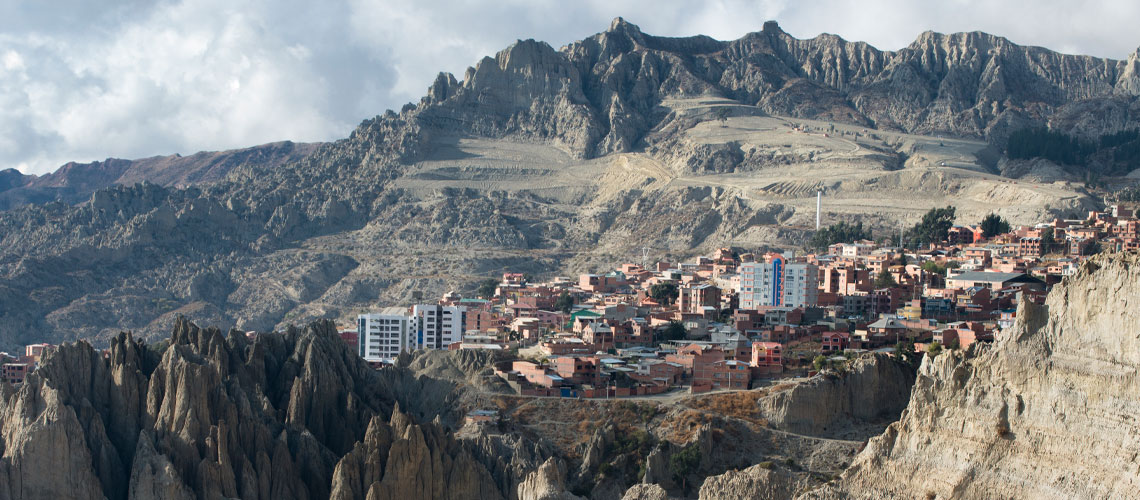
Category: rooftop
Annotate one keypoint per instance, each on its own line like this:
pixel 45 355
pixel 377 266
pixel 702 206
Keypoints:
pixel 988 276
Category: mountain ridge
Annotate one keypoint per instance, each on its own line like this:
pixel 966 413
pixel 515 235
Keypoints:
pixel 74 182
pixel 547 160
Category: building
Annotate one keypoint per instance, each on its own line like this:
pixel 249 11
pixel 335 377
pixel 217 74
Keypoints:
pixel 767 357
pixel 845 279
pixel 1029 247
pixel 835 341
pixel 578 369
pixel 536 374
pixel 438 326
pixel 994 281
pixel 35 352
pixel 851 250
pixel 351 338
pixel 722 374
pixel 14 373
pixel 777 283
pixel 383 336
pixel 694 298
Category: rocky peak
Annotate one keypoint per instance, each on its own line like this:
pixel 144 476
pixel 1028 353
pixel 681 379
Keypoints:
pixel 1129 81
pixel 11 178
pixel 620 26
pixel 216 415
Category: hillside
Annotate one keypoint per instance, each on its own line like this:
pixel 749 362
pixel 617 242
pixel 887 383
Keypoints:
pixel 542 160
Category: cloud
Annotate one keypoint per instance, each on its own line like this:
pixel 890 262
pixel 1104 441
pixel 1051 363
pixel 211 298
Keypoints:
pixel 81 81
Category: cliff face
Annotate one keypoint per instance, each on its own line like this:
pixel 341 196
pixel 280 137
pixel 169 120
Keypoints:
pixel 1045 412
pixel 602 95
pixel 875 388
pixel 296 415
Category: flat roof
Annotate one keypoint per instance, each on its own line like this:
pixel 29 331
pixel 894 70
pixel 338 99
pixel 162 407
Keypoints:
pixel 987 276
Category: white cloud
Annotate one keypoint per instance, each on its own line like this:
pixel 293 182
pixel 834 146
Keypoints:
pixel 80 81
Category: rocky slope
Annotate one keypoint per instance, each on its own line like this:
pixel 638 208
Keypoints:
pixel 74 182
pixel 874 388
pixel 768 482
pixel 542 160
pixel 298 415
pixel 1043 413
pixel 293 415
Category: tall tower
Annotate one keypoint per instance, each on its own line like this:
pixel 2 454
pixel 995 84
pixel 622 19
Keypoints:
pixel 818 207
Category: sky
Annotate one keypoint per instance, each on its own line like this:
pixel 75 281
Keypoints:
pixel 84 80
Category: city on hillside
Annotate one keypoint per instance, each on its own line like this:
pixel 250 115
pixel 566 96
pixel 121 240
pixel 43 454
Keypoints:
pixel 736 320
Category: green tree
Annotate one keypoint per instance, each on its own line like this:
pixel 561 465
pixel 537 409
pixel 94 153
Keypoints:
pixel 1093 248
pixel 565 302
pixel 684 463
pixel 840 232
pixel 885 280
pixel 993 225
pixel 933 228
pixel 487 288
pixel 934 349
pixel 1048 240
pixel 721 113
pixel 1056 147
pixel 674 331
pixel 664 293
pixel 819 362
pixel 933 267
pixel 953 344
pixel 904 351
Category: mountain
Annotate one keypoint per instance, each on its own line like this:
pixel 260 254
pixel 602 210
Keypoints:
pixel 560 161
pixel 1038 414
pixel 74 182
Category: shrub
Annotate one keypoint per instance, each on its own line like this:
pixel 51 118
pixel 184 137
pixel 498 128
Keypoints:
pixel 934 349
pixel 684 463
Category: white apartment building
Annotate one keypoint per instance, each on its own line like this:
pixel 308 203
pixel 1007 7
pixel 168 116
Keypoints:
pixel 386 334
pixel 776 283
pixel 801 285
pixel 757 284
pixel 439 326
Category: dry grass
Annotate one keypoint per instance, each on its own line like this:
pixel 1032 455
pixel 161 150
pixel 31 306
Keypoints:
pixel 569 424
pixel 682 426
pixel 739 405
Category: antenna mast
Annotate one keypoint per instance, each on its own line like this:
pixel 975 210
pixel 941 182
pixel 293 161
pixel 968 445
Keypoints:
pixel 818 207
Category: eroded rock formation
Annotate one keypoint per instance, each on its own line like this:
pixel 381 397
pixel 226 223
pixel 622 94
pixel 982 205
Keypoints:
pixel 873 388
pixel 1046 412
pixel 292 415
